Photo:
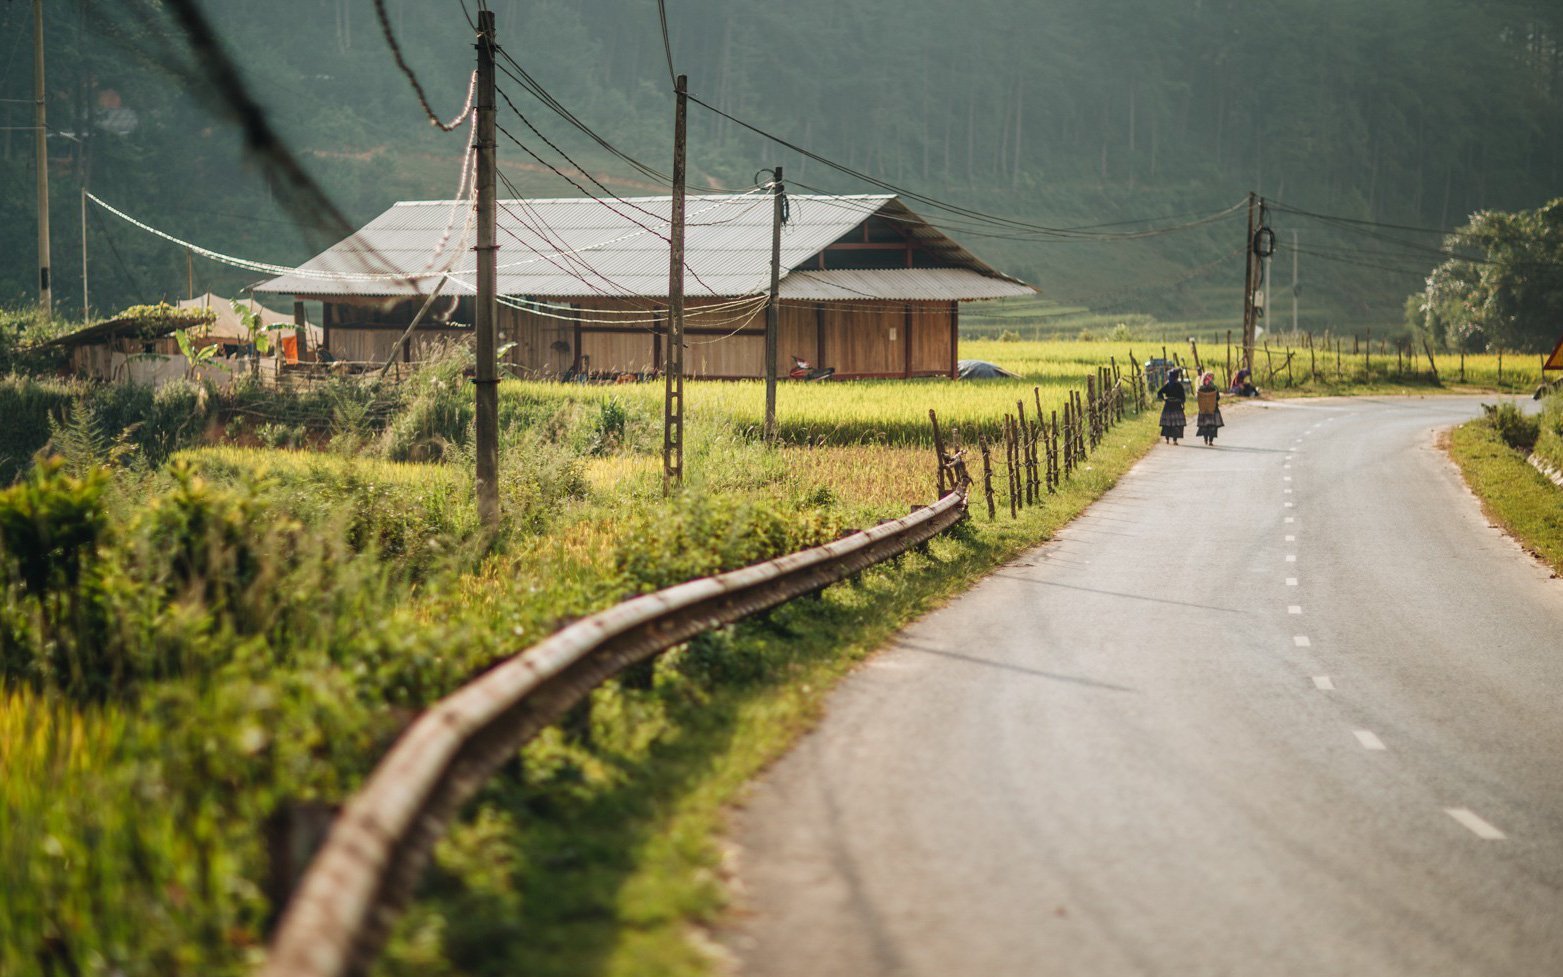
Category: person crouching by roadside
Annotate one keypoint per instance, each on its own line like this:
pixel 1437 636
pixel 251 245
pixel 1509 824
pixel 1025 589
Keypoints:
pixel 1209 400
pixel 1173 420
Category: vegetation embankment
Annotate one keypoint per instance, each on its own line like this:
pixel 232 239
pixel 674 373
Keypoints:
pixel 202 630
pixel 1492 454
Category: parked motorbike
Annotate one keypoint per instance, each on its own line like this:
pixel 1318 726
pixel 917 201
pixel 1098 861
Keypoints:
pixel 801 370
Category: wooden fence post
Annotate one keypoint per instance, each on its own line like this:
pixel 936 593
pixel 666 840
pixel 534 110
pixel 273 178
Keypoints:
pixel 938 447
pixel 1025 455
pixel 987 475
pixel 1052 454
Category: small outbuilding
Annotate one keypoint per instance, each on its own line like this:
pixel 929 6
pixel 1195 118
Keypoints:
pixel 868 287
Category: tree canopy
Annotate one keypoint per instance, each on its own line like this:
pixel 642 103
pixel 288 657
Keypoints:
pixel 1505 287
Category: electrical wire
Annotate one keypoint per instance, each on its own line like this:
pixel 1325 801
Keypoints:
pixel 956 208
pixel 412 79
pixel 667 46
pixel 509 66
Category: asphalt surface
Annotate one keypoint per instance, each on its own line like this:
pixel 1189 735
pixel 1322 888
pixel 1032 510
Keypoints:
pixel 1288 705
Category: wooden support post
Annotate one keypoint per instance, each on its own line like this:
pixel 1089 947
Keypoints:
pixel 1500 364
pixel 1194 349
pixel 938 447
pixel 1462 364
pixel 300 330
pixel 1431 365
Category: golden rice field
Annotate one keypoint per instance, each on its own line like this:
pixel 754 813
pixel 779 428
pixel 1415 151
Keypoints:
pixel 847 412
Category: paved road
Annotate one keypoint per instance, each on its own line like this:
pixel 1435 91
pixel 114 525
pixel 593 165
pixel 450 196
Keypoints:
pixel 1284 706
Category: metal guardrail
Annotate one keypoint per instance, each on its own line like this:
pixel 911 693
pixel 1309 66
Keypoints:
pixel 346 903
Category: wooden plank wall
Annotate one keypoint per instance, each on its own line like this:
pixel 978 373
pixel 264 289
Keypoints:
pixel 933 331
pixel 864 338
pixel 727 343
pixel 544 345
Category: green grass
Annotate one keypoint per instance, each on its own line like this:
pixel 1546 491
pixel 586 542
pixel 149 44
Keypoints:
pixel 1515 495
pixel 265 621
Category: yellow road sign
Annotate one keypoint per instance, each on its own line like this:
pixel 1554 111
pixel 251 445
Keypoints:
pixel 1555 361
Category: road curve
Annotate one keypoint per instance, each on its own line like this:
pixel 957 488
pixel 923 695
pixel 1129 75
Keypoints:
pixel 1288 705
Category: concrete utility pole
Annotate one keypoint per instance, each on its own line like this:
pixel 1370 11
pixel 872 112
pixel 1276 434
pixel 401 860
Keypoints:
pixel 673 372
pixel 86 304
pixel 1248 290
pixel 45 291
pixel 486 311
pixel 1294 280
pixel 772 310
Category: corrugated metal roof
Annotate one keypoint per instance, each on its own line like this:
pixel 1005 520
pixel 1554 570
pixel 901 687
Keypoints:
pixel 900 285
pixel 584 247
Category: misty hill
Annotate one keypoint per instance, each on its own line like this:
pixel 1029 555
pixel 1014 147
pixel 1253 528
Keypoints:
pixel 1060 112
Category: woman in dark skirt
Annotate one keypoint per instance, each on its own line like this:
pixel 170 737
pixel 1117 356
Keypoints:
pixel 1173 420
pixel 1209 419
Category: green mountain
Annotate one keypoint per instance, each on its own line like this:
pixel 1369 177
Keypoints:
pixel 1051 112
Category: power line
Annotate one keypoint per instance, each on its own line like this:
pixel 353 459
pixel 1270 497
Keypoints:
pixel 521 77
pixel 993 219
pixel 667 46
pixel 417 87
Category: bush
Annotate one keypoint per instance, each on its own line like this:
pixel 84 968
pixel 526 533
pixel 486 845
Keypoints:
pixel 1517 430
pixel 438 414
pixel 1549 443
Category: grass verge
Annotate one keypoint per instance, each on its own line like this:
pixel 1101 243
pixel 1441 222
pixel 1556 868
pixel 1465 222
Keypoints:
pixel 1515 495
pixel 599 853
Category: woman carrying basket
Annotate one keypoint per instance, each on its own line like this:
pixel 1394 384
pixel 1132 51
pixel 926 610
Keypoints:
pixel 1173 420
pixel 1209 399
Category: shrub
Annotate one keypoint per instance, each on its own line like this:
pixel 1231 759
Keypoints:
pixel 1517 430
pixel 438 413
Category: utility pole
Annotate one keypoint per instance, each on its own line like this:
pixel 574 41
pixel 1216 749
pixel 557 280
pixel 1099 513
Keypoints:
pixel 487 308
pixel 1248 289
pixel 45 292
pixel 673 372
pixel 773 311
pixel 1265 268
pixel 1294 280
pixel 86 305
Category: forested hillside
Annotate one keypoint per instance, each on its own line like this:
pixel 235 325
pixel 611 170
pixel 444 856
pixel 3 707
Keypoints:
pixel 1413 112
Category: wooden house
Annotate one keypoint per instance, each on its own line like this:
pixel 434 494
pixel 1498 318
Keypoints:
pixel 868 287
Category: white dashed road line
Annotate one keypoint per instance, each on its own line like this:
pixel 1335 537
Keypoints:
pixel 1291 581
pixel 1479 828
pixel 1323 683
pixel 1368 740
pixel 1293 609
pixel 1301 641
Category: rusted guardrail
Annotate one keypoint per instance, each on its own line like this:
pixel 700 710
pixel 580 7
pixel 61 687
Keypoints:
pixel 344 906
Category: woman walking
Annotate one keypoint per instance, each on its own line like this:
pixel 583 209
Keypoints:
pixel 1209 419
pixel 1173 420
